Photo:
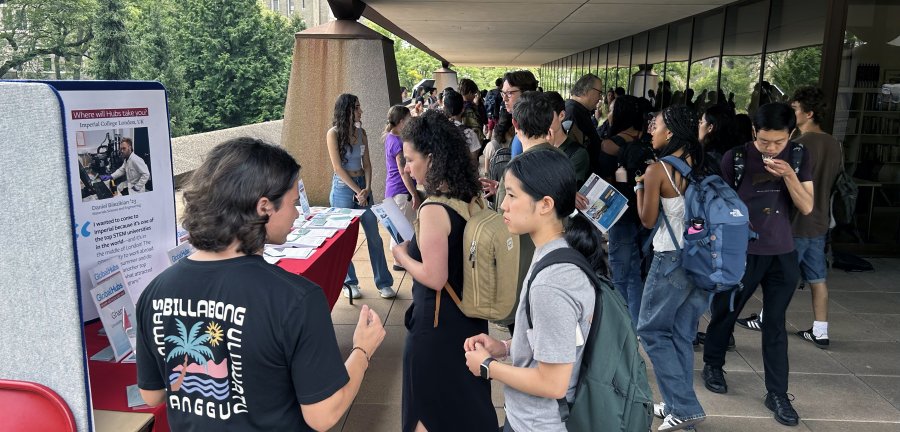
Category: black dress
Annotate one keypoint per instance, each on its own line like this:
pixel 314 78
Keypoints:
pixel 438 388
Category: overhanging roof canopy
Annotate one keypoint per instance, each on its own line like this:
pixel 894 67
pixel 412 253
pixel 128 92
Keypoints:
pixel 525 32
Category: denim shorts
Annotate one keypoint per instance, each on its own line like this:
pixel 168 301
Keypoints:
pixel 811 253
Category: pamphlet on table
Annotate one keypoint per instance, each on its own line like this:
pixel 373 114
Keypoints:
pixel 114 304
pixel 304 200
pixel 605 204
pixel 394 221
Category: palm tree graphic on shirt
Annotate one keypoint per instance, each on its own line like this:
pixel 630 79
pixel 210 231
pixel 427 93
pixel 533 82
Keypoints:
pixel 190 344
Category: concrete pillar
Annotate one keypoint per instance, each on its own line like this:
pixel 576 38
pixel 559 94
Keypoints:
pixel 445 77
pixel 338 57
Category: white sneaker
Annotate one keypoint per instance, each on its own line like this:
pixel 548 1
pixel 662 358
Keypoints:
pixel 672 423
pixel 387 292
pixel 659 410
pixel 352 290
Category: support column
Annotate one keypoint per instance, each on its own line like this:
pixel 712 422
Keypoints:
pixel 338 57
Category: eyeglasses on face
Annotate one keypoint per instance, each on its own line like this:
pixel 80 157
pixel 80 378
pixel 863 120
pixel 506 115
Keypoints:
pixel 508 94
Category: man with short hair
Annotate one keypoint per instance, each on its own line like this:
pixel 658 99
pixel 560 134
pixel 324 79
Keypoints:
pixel 533 119
pixel 576 152
pixel 133 168
pixel 810 231
pixel 765 178
pixel 586 93
pixel 230 342
pixel 514 84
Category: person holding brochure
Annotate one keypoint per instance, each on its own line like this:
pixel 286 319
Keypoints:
pixel 671 305
pixel 230 342
pixel 546 359
pixel 347 143
pixel 438 393
pixel 398 185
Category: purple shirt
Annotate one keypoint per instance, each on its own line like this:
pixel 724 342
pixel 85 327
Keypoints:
pixel 767 199
pixel 393 184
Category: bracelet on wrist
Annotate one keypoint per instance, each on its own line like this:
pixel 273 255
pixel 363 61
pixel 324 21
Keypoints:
pixel 639 186
pixel 506 344
pixel 365 354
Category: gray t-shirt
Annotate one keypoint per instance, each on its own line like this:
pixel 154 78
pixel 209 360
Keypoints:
pixel 562 306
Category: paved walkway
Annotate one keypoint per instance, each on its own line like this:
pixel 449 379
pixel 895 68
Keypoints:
pixel 853 386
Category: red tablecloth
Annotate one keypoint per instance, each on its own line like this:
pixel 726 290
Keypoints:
pixel 109 380
pixel 327 267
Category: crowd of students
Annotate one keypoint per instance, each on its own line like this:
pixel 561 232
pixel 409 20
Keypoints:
pixel 544 147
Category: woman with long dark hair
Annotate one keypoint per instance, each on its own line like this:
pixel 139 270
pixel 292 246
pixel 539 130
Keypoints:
pixel 501 137
pixel 347 143
pixel 718 132
pixel 621 152
pixel 671 305
pixel 540 202
pixel 438 394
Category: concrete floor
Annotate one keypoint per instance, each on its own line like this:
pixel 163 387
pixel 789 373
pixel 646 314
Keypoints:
pixel 853 386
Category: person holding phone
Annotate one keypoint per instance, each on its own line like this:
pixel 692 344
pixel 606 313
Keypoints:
pixel 347 143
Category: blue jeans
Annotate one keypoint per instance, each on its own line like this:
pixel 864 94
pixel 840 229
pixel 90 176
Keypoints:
pixel 811 253
pixel 670 310
pixel 342 197
pixel 625 264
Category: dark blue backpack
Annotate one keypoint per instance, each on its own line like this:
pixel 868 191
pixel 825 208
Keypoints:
pixel 715 257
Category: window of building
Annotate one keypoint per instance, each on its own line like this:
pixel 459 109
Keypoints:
pixel 707 43
pixel 656 59
pixel 638 57
pixel 794 46
pixel 677 56
pixel 623 68
pixel 741 54
pixel 603 64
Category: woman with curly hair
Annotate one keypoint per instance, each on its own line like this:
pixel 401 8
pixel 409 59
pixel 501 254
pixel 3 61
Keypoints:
pixel 347 144
pixel 438 393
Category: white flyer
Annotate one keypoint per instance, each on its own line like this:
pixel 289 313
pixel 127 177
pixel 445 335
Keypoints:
pixel 114 304
pixel 394 221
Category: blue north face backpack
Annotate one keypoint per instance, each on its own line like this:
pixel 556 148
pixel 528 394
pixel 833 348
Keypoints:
pixel 715 257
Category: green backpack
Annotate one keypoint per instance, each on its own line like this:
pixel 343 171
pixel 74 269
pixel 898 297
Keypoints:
pixel 612 393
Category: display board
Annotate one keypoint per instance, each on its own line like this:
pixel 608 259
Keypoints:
pixel 120 169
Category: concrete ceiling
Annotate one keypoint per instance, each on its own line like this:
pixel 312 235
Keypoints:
pixel 527 32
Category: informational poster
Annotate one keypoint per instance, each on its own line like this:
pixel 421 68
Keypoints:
pixel 120 165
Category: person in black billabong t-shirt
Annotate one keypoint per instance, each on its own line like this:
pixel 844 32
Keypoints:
pixel 230 342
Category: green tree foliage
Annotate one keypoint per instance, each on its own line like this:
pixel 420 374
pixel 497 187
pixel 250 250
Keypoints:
pixel 236 60
pixel 32 30
pixel 792 69
pixel 111 52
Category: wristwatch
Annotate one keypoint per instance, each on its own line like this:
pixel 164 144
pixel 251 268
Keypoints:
pixel 486 367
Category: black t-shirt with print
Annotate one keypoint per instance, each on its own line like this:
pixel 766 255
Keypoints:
pixel 237 344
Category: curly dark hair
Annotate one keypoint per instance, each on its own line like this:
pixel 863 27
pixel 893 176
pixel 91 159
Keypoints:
pixel 451 173
pixel 342 120
pixel 682 122
pixel 221 197
pixel 811 99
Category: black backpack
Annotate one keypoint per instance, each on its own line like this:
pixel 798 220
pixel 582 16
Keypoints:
pixel 739 158
pixel 843 196
pixel 633 156
pixel 492 104
pixel 612 393
pixel 498 162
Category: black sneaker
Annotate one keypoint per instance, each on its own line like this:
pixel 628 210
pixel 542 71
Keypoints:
pixel 780 404
pixel 700 339
pixel 752 322
pixel 808 335
pixel 714 379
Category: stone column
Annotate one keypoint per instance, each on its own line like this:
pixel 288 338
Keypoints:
pixel 338 57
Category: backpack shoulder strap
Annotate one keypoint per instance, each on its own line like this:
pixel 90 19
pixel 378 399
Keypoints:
pixel 678 164
pixel 565 255
pixel 738 161
pixel 797 150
